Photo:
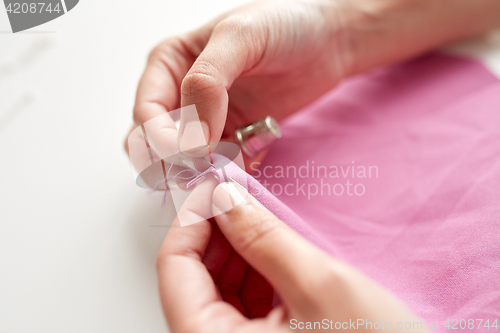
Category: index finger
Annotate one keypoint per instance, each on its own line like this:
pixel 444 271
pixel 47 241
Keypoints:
pixel 159 87
pixel 186 286
pixel 159 92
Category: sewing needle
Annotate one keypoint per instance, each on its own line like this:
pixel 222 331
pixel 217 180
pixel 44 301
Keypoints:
pixel 213 166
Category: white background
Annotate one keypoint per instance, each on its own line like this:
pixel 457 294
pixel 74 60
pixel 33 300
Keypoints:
pixel 78 239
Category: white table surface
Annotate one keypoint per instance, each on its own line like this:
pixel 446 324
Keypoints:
pixel 78 239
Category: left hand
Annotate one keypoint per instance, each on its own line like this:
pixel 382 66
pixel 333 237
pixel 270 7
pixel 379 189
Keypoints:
pixel 213 276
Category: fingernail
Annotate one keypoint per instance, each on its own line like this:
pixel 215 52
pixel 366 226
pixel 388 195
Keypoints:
pixel 187 161
pixel 227 196
pixel 194 137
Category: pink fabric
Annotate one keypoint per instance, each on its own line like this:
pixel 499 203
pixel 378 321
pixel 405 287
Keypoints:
pixel 428 227
pixel 225 170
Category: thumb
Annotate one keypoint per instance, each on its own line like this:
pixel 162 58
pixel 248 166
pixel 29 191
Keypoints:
pixel 234 47
pixel 310 283
pixel 286 259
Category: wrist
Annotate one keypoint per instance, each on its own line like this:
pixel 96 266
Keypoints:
pixel 384 32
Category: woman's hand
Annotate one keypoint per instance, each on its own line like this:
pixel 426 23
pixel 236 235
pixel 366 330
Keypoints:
pixel 266 58
pixel 274 57
pixel 220 277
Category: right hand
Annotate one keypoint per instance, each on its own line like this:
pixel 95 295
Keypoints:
pixel 275 57
pixel 265 58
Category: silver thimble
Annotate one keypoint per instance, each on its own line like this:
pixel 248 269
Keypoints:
pixel 258 136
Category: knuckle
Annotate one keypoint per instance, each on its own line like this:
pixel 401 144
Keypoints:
pixel 199 80
pixel 163 50
pixel 312 289
pixel 161 259
pixel 138 114
pixel 156 53
pixel 191 329
pixel 246 32
pixel 329 278
pixel 239 24
pixel 255 229
pixel 125 145
pixel 159 50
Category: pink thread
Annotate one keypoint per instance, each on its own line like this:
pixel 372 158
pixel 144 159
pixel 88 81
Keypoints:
pixel 174 177
pixel 210 154
pixel 203 175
